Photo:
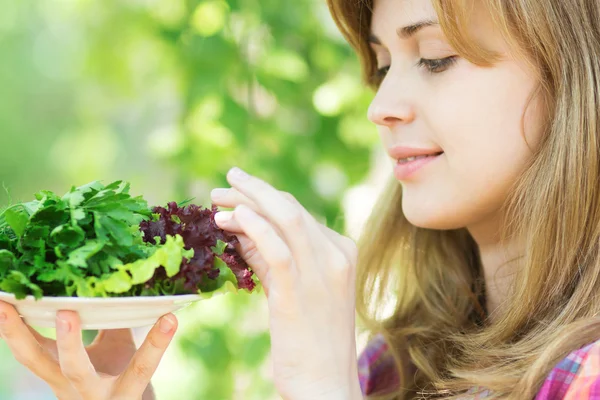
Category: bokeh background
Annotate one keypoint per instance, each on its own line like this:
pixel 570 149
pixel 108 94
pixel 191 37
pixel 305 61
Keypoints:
pixel 168 95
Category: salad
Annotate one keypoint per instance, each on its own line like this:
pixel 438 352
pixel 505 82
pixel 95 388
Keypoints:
pixel 99 241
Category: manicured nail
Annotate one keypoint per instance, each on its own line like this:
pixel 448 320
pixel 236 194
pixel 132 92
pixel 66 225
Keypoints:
pixel 218 193
pixel 222 217
pixel 166 324
pixel 3 317
pixel 62 325
pixel 238 174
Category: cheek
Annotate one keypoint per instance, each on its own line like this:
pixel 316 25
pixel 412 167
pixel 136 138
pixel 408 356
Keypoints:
pixel 477 120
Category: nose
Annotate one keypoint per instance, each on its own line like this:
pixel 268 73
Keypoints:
pixel 391 104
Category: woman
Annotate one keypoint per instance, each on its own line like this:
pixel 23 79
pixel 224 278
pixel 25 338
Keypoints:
pixel 487 238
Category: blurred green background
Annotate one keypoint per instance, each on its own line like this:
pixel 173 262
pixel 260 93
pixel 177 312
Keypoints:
pixel 168 95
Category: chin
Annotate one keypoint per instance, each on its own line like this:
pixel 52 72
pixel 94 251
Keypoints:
pixel 432 216
pixel 434 223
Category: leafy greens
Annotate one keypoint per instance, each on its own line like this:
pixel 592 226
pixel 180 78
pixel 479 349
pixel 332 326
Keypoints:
pixel 99 241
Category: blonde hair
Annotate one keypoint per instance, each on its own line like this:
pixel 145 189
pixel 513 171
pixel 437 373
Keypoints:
pixel 438 320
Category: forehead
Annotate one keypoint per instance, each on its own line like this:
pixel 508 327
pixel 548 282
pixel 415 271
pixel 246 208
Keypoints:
pixel 389 15
pixel 402 12
pixel 400 17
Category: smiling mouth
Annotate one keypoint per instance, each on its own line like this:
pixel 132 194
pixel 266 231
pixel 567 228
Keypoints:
pixel 413 158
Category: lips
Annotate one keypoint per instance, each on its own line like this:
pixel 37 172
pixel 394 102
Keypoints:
pixel 401 153
pixel 405 169
pixel 414 158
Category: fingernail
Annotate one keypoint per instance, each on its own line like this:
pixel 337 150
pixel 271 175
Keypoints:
pixel 218 193
pixel 222 216
pixel 238 174
pixel 3 317
pixel 62 326
pixel 166 324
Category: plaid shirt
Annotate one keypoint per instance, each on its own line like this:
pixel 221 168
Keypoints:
pixel 576 377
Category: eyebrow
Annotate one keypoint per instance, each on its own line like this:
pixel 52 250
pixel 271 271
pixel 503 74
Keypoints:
pixel 405 32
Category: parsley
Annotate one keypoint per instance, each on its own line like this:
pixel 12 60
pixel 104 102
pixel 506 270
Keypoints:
pixel 99 241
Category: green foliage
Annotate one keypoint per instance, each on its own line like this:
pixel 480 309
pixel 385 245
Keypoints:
pixel 169 94
pixel 86 242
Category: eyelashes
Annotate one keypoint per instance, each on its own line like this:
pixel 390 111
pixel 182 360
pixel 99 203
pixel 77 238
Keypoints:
pixel 436 66
pixel 432 66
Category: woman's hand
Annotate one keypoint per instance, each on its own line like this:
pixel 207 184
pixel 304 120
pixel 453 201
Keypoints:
pixel 109 368
pixel 308 273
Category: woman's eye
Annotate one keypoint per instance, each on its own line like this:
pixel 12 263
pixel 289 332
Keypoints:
pixel 436 66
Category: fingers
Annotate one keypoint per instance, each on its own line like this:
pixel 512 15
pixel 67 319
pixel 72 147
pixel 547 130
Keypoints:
pixel 111 351
pixel 230 198
pixel 26 349
pixel 74 360
pixel 41 339
pixel 48 344
pixel 285 216
pixel 135 379
pixel 279 261
pixel 344 244
pixel 254 259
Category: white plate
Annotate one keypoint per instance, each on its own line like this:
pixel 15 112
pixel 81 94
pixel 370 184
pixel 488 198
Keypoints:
pixel 100 313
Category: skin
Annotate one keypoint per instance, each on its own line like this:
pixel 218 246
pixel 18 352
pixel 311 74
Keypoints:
pixel 109 368
pixel 476 115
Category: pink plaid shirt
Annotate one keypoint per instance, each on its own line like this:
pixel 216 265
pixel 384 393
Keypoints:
pixel 576 377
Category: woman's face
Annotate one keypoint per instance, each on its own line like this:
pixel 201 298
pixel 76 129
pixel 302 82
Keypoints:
pixel 476 115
